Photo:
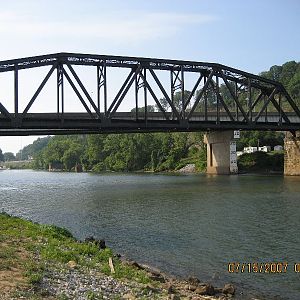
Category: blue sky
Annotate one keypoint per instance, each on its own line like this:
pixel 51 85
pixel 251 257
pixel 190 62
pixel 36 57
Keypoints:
pixel 250 35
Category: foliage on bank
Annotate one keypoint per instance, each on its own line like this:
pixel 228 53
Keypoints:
pixel 261 162
pixel 289 75
pixel 155 152
pixel 18 165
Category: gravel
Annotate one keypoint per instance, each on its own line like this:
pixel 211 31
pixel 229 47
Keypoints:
pixel 84 283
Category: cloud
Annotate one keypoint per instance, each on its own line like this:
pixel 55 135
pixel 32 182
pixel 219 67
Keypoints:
pixel 118 27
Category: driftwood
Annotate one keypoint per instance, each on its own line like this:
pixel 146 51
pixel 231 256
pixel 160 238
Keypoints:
pixel 111 265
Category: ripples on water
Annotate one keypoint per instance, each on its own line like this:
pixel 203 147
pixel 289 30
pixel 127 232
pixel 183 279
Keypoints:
pixel 184 225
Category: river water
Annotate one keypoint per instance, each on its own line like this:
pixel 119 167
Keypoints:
pixel 184 225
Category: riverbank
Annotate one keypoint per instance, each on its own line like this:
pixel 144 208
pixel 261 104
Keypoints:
pixel 46 262
pixel 261 163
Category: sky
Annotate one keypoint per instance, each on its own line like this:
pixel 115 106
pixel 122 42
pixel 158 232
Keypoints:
pixel 248 35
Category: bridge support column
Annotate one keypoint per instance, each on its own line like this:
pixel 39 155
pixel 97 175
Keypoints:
pixel 221 152
pixel 292 154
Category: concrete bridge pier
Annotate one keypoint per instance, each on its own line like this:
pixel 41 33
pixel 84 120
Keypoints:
pixel 221 152
pixel 292 154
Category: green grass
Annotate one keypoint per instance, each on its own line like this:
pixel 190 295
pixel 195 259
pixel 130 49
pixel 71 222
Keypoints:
pixel 7 253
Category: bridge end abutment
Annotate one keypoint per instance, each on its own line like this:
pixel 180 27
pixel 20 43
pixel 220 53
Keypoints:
pixel 292 154
pixel 221 153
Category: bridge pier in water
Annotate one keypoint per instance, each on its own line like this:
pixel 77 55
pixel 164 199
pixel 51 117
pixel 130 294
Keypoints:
pixel 221 153
pixel 292 154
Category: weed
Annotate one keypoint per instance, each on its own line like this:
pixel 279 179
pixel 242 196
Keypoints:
pixel 91 295
pixel 63 296
pixel 7 253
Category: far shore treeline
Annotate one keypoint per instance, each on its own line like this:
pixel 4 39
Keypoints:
pixel 154 152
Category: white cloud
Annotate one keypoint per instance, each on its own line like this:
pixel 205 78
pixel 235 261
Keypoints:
pixel 117 27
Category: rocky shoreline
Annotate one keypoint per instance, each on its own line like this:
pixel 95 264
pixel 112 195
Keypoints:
pixel 75 282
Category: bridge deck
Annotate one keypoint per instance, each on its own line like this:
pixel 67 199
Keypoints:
pixel 73 123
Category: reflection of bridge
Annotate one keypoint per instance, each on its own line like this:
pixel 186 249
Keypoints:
pixel 220 97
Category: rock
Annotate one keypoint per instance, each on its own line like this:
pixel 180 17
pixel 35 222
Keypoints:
pixel 134 264
pixel 154 274
pixel 128 297
pixel 72 264
pixel 189 168
pixel 157 277
pixel 192 288
pixel 89 239
pixel 206 289
pixel 228 289
pixel 99 243
pixel 218 290
pixel 193 280
pixel 171 289
pixel 151 288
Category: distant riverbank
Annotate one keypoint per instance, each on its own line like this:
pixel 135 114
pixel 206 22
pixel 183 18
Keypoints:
pixel 258 163
pixel 18 165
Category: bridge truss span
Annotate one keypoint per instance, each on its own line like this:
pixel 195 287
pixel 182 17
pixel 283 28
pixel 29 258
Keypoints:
pixel 161 95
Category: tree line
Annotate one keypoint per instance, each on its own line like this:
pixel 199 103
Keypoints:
pixel 123 152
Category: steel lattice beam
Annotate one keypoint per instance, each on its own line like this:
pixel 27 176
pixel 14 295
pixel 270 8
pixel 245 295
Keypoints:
pixel 251 102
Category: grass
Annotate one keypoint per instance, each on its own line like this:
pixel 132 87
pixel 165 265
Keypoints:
pixel 32 247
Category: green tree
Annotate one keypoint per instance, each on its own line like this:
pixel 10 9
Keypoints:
pixel 1 156
pixel 72 155
pixel 150 108
pixel 9 156
pixel 261 138
pixel 177 101
pixel 32 149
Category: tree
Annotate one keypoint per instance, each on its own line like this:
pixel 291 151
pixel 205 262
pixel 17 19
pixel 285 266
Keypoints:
pixel 1 156
pixel 150 108
pixel 255 138
pixel 33 149
pixel 289 75
pixel 72 156
pixel 9 156
pixel 177 101
pixel 294 87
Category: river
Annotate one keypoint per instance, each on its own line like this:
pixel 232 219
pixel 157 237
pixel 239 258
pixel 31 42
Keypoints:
pixel 182 224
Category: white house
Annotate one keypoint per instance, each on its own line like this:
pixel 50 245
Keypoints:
pixel 278 148
pixel 264 148
pixel 250 149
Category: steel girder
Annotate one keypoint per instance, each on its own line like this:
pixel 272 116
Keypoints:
pixel 221 98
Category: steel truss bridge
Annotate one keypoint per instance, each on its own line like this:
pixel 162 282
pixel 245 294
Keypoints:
pixel 221 98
